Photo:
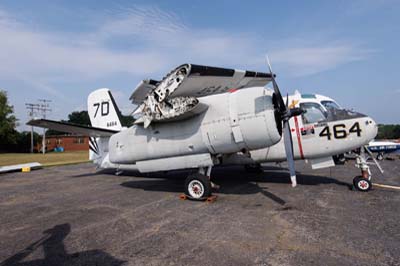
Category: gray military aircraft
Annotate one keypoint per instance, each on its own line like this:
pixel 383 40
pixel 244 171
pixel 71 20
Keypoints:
pixel 198 117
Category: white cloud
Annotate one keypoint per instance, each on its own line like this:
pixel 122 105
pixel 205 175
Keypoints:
pixel 159 40
pixel 363 7
pixel 143 22
pixel 302 61
pixel 29 52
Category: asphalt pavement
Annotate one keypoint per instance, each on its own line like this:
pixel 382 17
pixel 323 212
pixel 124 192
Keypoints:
pixel 71 215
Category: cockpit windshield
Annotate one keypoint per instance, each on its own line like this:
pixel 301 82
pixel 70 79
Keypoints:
pixel 329 105
pixel 325 112
pixel 313 113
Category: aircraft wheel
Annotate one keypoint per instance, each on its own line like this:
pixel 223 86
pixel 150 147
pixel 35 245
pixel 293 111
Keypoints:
pixel 379 157
pixel 197 186
pixel 362 184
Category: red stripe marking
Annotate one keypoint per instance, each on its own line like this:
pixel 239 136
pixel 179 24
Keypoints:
pixel 232 90
pixel 296 123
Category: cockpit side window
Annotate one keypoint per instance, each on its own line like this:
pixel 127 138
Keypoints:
pixel 329 105
pixel 313 113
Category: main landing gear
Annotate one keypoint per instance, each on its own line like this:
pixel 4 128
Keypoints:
pixel 363 182
pixel 198 185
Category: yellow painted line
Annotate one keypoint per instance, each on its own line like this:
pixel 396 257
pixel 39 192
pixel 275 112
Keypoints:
pixel 386 186
pixel 65 163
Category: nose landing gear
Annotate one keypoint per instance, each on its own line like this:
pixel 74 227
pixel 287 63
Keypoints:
pixel 363 182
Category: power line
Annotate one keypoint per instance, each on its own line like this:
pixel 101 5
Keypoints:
pixel 44 107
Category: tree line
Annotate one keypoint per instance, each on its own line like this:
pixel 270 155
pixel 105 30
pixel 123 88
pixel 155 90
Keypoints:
pixel 13 141
pixel 388 132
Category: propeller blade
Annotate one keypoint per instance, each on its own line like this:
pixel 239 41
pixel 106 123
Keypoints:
pixel 268 63
pixel 287 100
pixel 277 92
pixel 287 137
pixel 286 113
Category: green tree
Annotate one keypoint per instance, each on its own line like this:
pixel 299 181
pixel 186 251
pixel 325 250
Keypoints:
pixel 8 122
pixel 388 132
pixel 76 117
pixel 127 120
pixel 80 118
pixel 24 141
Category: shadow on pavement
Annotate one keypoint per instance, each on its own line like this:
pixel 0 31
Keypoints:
pixel 227 176
pixel 232 180
pixel 55 253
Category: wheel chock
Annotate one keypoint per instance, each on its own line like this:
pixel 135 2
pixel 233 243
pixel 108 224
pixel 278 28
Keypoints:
pixel 211 199
pixel 26 169
pixel 183 197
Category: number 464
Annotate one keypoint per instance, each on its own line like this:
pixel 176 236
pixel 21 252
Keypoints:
pixel 340 132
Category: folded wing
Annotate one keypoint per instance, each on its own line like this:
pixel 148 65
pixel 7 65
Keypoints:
pixel 177 93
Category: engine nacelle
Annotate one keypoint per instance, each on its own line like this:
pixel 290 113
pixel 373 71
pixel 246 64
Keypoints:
pixel 233 122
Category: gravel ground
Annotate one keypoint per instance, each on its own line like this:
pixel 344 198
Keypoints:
pixel 71 215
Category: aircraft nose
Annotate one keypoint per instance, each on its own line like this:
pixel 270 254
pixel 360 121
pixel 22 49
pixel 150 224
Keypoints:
pixel 371 128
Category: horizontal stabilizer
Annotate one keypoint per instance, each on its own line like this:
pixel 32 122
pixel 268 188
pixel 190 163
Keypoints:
pixel 72 128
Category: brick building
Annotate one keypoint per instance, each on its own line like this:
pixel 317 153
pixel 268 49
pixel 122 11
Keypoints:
pixel 68 142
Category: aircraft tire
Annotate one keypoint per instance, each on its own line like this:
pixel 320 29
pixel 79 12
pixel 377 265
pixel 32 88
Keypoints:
pixel 362 184
pixel 379 157
pixel 197 186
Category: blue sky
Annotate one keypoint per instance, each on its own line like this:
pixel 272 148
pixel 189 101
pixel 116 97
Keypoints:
pixel 62 50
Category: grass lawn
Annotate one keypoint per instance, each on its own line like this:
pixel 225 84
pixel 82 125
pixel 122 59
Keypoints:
pixel 48 159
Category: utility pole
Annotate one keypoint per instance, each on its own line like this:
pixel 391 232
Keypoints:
pixel 44 107
pixel 32 108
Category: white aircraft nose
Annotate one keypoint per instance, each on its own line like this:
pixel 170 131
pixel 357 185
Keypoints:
pixel 371 128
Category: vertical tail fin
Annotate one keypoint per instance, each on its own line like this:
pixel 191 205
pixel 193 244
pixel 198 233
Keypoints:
pixel 103 111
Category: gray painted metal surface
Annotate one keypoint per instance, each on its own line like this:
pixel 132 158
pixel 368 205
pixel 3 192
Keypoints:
pixel 175 163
